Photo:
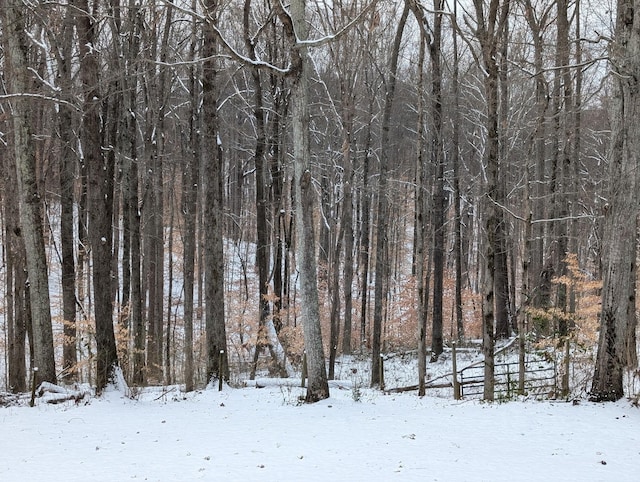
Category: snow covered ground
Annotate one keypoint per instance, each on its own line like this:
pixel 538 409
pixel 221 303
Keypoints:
pixel 251 434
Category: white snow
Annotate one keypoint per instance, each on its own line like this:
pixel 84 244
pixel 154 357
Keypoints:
pixel 250 434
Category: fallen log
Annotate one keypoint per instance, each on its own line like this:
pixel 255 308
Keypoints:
pixel 52 393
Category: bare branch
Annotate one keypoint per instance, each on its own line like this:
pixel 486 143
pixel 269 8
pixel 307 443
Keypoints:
pixel 542 220
pixel 39 96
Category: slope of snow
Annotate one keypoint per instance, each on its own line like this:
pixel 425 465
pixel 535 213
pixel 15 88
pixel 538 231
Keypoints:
pixel 265 434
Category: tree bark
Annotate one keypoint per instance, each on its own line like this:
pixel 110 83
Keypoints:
pixel 455 161
pixel 490 20
pixel 439 201
pixel 616 345
pixel 100 196
pixel 537 283
pixel 347 220
pixel 18 312
pixel 68 163
pixel 365 235
pixel 382 255
pixel 267 333
pixel 421 224
pixel 317 387
pixel 501 278
pixel 190 177
pixel 216 337
pixel 31 216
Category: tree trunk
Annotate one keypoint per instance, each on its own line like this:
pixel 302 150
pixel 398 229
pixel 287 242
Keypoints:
pixel 347 221
pixel 537 283
pixel 279 214
pixel 68 163
pixel 17 314
pixel 616 345
pixel 335 276
pixel 382 255
pixel 190 177
pixel 31 219
pixel 267 333
pixel 365 236
pixel 131 203
pixel 216 337
pixel 421 223
pixel 100 197
pixel 455 161
pixel 491 19
pixel 297 30
pixel 501 278
pixel 439 201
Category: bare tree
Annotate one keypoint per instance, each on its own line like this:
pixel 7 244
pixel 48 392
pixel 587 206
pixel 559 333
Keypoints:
pixel 433 32
pixel 267 332
pixel 617 345
pixel 420 262
pixel 68 164
pixel 100 170
pixel 217 356
pixel 132 263
pixel 31 215
pixel 18 313
pixel 190 177
pixel 490 20
pixel 455 161
pixel 382 256
pixel 297 30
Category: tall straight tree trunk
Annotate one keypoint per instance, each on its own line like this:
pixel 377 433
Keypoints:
pixel 382 256
pixel 267 336
pixel 501 278
pixel 100 196
pixel 190 177
pixel 277 201
pixel 365 234
pixel 537 293
pixel 131 209
pixel 433 36
pixel 439 201
pixel 31 219
pixel 455 161
pixel 617 343
pixel 421 223
pixel 18 313
pixel 555 265
pixel 566 196
pixel 68 163
pixel 216 337
pixel 490 20
pixel 334 278
pixel 137 319
pixel 347 218
pixel 168 374
pixel 297 30
pixel 157 92
pixel 577 126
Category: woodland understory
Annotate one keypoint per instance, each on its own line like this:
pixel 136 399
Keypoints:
pixel 199 190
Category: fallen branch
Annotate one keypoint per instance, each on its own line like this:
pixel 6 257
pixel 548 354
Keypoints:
pixel 8 399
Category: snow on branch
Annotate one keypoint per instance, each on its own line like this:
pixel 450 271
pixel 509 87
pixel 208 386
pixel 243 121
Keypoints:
pixel 335 36
pixel 299 43
pixel 542 220
pixel 236 55
pixel 40 97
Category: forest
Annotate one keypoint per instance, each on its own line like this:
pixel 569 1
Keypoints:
pixel 193 189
